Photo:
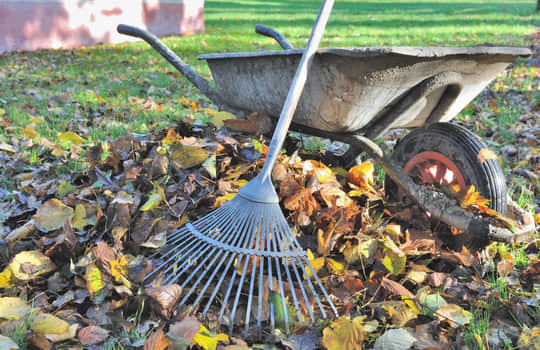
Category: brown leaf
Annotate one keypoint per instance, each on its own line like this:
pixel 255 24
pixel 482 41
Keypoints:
pixel 103 253
pixel 165 296
pixel 157 341
pixel 395 288
pixel 38 340
pixel 52 215
pixel 186 329
pixel 92 335
pixel 504 267
pixel 335 197
pixel 244 126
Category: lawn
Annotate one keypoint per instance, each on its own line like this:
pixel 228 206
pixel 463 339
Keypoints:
pixel 110 144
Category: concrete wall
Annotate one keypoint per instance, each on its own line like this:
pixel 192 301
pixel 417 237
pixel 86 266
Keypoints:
pixel 45 24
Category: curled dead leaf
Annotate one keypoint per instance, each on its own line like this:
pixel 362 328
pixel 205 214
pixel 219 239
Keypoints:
pixel 92 335
pixel 52 215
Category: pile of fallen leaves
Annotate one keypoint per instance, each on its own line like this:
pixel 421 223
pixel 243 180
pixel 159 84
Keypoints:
pixel 77 242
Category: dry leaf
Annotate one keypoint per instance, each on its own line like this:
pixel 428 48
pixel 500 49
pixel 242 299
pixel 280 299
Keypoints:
pixel 394 258
pixel 94 281
pixel 7 343
pixel 29 264
pixel 394 339
pixel 344 334
pixel 52 215
pixel 20 232
pixel 70 136
pixel 395 288
pixel 48 324
pixel 185 329
pixel 208 340
pixel 69 334
pixel 7 280
pixel 12 308
pixel 362 175
pixel 38 340
pixel 157 341
pixel 165 296
pixel 78 221
pixel 93 335
pixel 219 118
pixel 473 198
pixel 171 138
pixel 454 314
pixel 504 267
pixel 355 250
pixel 186 157
pixel 245 126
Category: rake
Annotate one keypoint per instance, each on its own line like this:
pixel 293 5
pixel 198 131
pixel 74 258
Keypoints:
pixel 246 245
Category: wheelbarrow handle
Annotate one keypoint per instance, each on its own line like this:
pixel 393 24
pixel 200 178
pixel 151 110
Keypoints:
pixel 202 84
pixel 267 31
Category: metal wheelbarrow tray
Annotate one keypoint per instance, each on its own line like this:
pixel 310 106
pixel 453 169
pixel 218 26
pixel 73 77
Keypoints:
pixel 355 95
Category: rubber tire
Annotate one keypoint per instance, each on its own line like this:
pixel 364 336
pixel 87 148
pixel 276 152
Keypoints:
pixel 460 146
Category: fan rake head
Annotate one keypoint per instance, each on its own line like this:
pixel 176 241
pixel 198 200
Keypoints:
pixel 243 253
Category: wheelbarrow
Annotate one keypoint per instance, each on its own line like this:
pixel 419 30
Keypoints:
pixel 355 95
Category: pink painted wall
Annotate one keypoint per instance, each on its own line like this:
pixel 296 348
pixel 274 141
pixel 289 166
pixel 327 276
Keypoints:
pixel 45 24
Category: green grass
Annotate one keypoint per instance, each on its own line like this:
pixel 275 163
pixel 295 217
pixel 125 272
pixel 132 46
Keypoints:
pixel 105 91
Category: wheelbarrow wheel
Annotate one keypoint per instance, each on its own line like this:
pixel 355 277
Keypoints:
pixel 444 155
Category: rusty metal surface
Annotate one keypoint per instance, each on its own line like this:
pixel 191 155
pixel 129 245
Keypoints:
pixel 351 90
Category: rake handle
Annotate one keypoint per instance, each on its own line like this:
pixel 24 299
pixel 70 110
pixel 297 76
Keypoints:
pixel 295 90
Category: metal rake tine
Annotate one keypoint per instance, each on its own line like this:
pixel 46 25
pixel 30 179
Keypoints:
pixel 285 226
pixel 241 283
pixel 308 280
pixel 270 280
pixel 231 283
pixel 280 281
pixel 254 268
pixel 225 271
pixel 287 271
pixel 199 243
pixel 229 235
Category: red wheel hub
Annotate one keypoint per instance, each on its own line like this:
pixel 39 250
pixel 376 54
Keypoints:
pixel 436 169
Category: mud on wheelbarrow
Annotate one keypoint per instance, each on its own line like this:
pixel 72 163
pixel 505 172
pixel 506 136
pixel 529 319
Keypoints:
pixel 355 95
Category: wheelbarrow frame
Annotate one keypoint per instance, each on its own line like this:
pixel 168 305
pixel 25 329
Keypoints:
pixel 436 203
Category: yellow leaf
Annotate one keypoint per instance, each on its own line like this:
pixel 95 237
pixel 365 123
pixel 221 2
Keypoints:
pixel 35 120
pixel 365 248
pixel 48 324
pixel 171 138
pixel 70 333
pixel 52 215
pixel 119 270
pixel 94 281
pixel 6 278
pixel 394 258
pixel 335 267
pixel 344 334
pixel 152 203
pixel 207 340
pixel 316 263
pixel 219 118
pixel 362 175
pixel 30 131
pixel 13 308
pixel 473 198
pixel 454 314
pixel 79 218
pixel 29 264
pixel 70 136
pixel 186 157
